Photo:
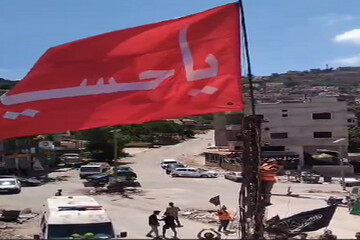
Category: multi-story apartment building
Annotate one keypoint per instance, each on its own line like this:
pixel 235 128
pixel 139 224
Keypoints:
pixel 292 128
pixel 304 127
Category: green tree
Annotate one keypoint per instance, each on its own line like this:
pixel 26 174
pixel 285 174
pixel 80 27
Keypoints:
pixel 354 139
pixel 101 142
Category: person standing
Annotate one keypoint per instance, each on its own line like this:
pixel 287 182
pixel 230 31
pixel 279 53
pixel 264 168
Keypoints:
pixel 59 192
pixel 169 223
pixel 154 224
pixel 174 211
pixel 211 234
pixel 224 218
pixel 268 172
pixel 303 236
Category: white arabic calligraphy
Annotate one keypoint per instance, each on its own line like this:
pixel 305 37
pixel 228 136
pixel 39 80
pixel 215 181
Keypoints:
pixel 297 225
pixel 85 90
pixel 112 86
pixel 191 74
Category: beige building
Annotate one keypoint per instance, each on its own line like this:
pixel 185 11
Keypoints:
pixel 296 127
pixel 305 126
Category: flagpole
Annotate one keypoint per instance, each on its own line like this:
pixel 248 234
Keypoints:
pixel 247 53
pixel 249 198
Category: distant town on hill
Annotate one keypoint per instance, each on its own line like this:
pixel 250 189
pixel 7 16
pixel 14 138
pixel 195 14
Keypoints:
pixel 342 81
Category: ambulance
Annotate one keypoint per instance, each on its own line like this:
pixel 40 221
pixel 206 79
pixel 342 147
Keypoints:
pixel 71 217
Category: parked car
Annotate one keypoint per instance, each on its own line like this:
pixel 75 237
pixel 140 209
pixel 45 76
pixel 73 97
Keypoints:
pixel 29 182
pixel 105 177
pixel 193 172
pixel 166 162
pixel 120 168
pixel 71 160
pixel 309 177
pixel 351 182
pixel 233 176
pixel 9 184
pixel 170 167
pixel 93 168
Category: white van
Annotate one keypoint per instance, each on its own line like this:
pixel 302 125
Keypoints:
pixel 92 169
pixel 67 217
pixel 166 162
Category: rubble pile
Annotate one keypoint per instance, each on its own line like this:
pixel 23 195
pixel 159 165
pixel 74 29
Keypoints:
pixel 8 231
pixel 9 226
pixel 206 216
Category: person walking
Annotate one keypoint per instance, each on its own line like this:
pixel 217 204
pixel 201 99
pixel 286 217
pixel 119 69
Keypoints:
pixel 169 223
pixel 154 224
pixel 268 172
pixel 224 218
pixel 174 211
pixel 59 192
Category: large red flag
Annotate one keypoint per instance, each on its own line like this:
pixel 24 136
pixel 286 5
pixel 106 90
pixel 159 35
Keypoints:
pixel 182 67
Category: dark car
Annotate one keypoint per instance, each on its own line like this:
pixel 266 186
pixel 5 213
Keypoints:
pixel 105 177
pixel 173 166
pixel 29 182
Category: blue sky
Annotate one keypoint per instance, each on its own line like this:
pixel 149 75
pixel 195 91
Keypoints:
pixel 284 34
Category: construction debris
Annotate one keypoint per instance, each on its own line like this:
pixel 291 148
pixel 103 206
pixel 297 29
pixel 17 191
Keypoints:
pixel 10 220
pixel 206 216
pixel 17 216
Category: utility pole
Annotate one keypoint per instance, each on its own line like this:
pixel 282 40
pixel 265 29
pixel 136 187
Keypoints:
pixel 342 174
pixel 115 135
pixel 341 158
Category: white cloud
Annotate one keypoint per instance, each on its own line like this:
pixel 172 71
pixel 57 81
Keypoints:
pixel 349 61
pixel 333 18
pixel 352 36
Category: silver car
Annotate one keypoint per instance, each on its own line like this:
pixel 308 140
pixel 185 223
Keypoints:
pixel 193 172
pixel 9 184
pixel 233 176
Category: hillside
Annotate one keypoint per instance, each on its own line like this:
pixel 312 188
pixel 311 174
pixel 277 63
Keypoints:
pixel 342 81
pixel 7 84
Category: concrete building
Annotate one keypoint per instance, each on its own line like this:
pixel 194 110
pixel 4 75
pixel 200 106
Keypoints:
pixel 303 127
pixel 227 129
pixel 292 129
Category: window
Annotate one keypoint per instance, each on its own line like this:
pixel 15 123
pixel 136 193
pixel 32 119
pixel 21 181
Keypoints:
pixel 324 115
pixel 322 134
pixel 273 148
pixel 284 110
pixel 266 129
pixel 279 135
pixel 285 115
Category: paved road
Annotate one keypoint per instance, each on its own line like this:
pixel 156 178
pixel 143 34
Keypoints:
pixel 131 213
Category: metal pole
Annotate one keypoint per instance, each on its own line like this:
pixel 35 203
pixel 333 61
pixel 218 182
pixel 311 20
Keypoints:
pixel 248 63
pixel 115 153
pixel 342 168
